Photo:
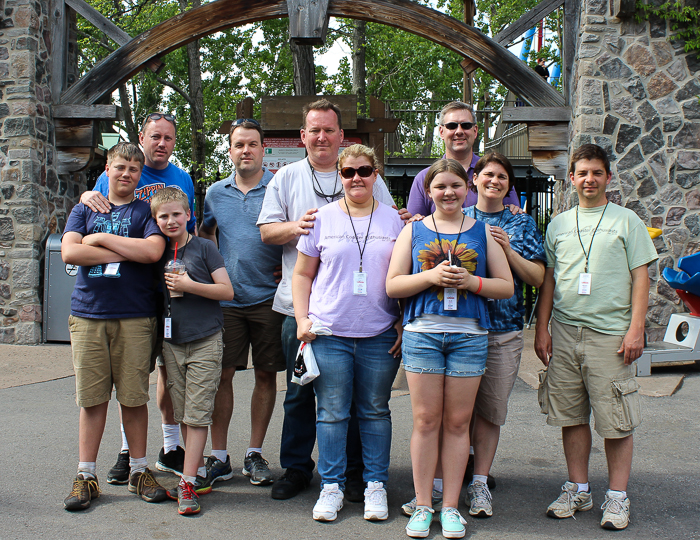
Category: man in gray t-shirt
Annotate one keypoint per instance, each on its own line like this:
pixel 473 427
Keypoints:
pixel 232 205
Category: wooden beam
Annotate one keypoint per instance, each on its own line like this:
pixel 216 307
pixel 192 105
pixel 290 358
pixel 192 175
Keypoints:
pixel 377 125
pixel 220 15
pixel 527 21
pixel 244 109
pixel 377 111
pixel 536 114
pixel 622 8
pixel 74 132
pixel 75 159
pixel 551 162
pixel 308 21
pixel 58 30
pixel 548 136
pixel 571 19
pixel 111 30
pixel 97 112
pixel 284 112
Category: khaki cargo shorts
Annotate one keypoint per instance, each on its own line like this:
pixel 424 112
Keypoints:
pixel 585 373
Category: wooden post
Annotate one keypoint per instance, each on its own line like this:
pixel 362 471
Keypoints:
pixel 468 83
pixel 59 42
pixel 244 108
pixel 376 140
pixel 487 116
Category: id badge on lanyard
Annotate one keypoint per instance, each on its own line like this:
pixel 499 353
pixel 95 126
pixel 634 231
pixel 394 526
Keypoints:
pixel 359 283
pixel 450 293
pixel 584 283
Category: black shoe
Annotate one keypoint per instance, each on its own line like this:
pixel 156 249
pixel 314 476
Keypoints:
pixel 469 474
pixel 354 486
pixel 290 484
pixel 82 492
pixel 172 462
pixel 119 474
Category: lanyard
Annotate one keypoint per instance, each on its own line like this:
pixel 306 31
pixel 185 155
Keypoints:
pixel 364 246
pixel 578 231
pixel 438 234
pixel 182 256
pixel 319 192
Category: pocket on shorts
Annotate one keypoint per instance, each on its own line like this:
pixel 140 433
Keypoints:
pixel 543 392
pixel 627 409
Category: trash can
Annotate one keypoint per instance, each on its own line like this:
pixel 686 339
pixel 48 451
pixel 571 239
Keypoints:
pixel 59 281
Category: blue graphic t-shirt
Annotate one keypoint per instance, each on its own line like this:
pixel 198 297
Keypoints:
pixel 154 179
pixel 507 315
pixel 127 290
pixel 470 253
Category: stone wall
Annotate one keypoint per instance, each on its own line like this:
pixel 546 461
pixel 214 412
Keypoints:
pixel 636 94
pixel 34 200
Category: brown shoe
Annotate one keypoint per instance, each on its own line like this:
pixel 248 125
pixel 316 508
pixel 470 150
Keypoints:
pixel 147 487
pixel 83 491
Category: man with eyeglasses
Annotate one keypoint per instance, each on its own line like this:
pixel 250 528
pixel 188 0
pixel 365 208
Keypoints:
pixel 458 130
pixel 292 197
pixel 157 138
pixel 232 205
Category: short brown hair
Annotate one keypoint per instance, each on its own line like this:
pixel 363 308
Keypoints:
pixel 358 150
pixel 126 150
pixel 247 123
pixel 321 105
pixel 456 106
pixel 590 152
pixel 444 165
pixel 500 159
pixel 167 195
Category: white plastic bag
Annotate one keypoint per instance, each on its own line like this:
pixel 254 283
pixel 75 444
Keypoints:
pixel 305 366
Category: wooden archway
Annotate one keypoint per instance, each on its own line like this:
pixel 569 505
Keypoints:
pixel 220 15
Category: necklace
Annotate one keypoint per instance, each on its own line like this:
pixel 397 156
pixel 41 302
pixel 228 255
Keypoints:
pixel 329 198
pixel 438 234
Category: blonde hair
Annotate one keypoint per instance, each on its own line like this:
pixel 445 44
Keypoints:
pixel 168 195
pixel 125 150
pixel 357 151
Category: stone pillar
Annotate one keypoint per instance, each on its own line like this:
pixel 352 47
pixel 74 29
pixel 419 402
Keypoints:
pixel 636 95
pixel 34 201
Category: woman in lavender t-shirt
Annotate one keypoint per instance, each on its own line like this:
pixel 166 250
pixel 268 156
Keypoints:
pixel 339 283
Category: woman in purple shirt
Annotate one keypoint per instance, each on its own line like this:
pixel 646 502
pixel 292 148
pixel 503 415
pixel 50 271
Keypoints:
pixel 339 285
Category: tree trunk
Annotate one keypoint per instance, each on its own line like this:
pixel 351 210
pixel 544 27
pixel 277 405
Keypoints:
pixel 198 138
pixel 359 78
pixel 130 127
pixel 304 69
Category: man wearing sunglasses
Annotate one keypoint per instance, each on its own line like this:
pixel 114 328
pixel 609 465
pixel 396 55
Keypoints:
pixel 458 130
pixel 295 193
pixel 232 206
pixel 157 138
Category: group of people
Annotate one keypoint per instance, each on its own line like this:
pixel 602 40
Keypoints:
pixel 438 287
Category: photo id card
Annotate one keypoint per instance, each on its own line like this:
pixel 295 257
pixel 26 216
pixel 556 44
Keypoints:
pixel 450 299
pixel 111 269
pixel 584 283
pixel 359 283
pixel 168 334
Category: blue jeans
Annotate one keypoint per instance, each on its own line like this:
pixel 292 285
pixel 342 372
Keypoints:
pixel 363 369
pixel 299 426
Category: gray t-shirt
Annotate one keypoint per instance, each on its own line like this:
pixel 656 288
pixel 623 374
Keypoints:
pixel 194 317
pixel 289 195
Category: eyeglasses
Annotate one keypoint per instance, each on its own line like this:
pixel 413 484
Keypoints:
pixel 465 125
pixel 157 116
pixel 349 172
pixel 239 121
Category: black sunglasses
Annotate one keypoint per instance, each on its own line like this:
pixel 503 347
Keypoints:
pixel 465 125
pixel 157 116
pixel 239 121
pixel 349 172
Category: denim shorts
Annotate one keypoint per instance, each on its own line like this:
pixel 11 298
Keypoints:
pixel 453 355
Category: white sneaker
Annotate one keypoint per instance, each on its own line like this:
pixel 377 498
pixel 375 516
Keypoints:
pixel 616 513
pixel 376 507
pixel 329 502
pixel 479 499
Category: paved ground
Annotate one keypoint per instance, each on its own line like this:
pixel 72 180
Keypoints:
pixel 39 446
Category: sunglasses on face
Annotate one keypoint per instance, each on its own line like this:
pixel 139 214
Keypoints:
pixel 465 125
pixel 239 121
pixel 349 172
pixel 157 116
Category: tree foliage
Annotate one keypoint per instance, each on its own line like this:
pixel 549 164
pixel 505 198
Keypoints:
pixel 684 16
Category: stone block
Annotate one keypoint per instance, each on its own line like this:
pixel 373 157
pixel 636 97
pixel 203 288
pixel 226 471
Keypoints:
pixel 631 159
pixel 648 114
pixel 688 160
pixel 18 127
pixel 646 188
pixel 672 123
pixel 5 291
pixel 657 223
pixel 656 206
pixel 692 62
pixel 616 69
pixel 652 142
pixel 591 124
pixel 667 105
pixel 635 87
pixel 609 124
pixel 614 43
pixel 692 200
pixel 657 164
pixel 688 179
pixel 677 70
pixel 692 223
pixel 22 65
pixel 626 135
pixel 7 335
pixel 662 51
pixel 690 90
pixel 4 270
pixel 675 215
pixel 30 313
pixel 691 110
pixel 26 214
pixel 660 85
pixel 688 136
pixel 25 274
pixel 590 94
pixel 676 239
pixel 628 183
pixel 28 333
pixel 638 208
pixel 640 60
pixel 7 231
pixel 588 37
pixel 625 107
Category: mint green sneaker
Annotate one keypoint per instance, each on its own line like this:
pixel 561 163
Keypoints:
pixel 453 524
pixel 419 524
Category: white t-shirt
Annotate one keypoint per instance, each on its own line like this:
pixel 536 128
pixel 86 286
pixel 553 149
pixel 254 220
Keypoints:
pixel 289 195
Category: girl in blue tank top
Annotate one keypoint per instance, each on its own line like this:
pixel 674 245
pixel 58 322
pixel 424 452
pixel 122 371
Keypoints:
pixel 440 266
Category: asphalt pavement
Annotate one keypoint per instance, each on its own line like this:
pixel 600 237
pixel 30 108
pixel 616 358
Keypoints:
pixel 39 456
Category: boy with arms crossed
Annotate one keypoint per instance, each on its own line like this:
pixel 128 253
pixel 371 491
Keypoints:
pixel 112 322
pixel 192 352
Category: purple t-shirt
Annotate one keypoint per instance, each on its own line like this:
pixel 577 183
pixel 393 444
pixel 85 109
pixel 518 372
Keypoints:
pixel 332 302
pixel 420 203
